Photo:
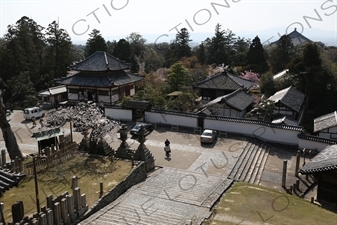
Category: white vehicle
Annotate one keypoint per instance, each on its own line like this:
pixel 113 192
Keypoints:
pixel 36 112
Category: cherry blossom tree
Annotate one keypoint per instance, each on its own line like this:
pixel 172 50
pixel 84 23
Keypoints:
pixel 249 75
pixel 89 119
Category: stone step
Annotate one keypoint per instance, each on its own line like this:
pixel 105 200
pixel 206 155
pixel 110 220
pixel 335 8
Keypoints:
pixel 246 163
pixel 233 173
pixel 257 166
pixel 253 165
pixel 262 165
pixel 125 213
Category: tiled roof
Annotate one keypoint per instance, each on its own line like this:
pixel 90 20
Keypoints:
pixel 296 38
pixel 237 99
pixel 100 61
pixel 53 90
pixel 324 161
pixel 225 81
pixel 317 139
pixel 99 79
pixel 229 119
pixel 289 97
pixel 325 121
pixel 285 120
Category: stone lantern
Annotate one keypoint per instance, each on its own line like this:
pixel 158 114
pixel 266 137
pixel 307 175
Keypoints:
pixel 123 149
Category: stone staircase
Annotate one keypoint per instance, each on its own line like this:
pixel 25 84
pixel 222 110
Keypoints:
pixel 133 214
pixel 250 164
pixel 9 179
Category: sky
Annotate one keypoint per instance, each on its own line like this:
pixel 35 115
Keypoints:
pixel 158 21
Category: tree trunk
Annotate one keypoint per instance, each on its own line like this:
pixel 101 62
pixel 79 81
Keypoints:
pixel 8 135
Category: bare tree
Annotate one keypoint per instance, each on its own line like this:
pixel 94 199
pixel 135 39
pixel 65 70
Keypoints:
pixel 7 133
pixel 88 118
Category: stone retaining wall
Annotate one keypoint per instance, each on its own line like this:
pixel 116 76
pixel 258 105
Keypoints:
pixel 137 175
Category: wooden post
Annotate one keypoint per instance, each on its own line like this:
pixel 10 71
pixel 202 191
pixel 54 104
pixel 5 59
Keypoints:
pixel 298 158
pixel 284 173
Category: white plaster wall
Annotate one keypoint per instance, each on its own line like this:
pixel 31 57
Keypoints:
pixel 114 98
pixel 163 118
pixel 104 98
pixel 324 135
pixel 121 114
pixel 132 91
pixel 72 96
pixel 255 130
pixel 304 143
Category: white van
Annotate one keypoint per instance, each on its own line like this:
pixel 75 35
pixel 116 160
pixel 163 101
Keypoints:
pixel 36 112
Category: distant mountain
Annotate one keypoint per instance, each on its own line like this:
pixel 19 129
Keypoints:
pixel 327 37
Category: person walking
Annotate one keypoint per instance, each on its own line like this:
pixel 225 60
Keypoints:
pixel 34 121
pixel 41 123
pixel 167 148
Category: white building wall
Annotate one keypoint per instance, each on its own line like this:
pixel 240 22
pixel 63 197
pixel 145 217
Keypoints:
pixel 121 114
pixel 114 98
pixel 104 98
pixel 163 118
pixel 313 145
pixel 255 130
pixel 72 96
pixel 132 91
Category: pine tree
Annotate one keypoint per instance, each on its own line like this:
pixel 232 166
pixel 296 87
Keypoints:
pixel 255 60
pixel 95 43
pixel 282 54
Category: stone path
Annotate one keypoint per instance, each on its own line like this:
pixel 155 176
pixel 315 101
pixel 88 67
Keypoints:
pixel 176 194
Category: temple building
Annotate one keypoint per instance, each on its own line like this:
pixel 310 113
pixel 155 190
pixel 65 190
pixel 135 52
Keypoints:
pixel 99 78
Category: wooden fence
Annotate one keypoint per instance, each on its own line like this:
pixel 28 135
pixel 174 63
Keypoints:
pixel 50 159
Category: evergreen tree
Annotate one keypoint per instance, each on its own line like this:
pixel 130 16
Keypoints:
pixel 179 48
pixel 95 43
pixel 183 40
pixel 255 60
pixel 216 51
pixel 282 54
pixel 24 44
pixel 178 77
pixel 58 53
pixel 201 53
pixel 138 48
pixel 122 50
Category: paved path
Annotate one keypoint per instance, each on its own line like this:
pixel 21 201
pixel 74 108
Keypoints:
pixel 183 190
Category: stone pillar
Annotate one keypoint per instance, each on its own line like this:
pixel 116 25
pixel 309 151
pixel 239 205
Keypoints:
pixel 50 217
pixel 64 210
pixel 3 157
pixel 49 200
pixel 71 206
pixel 2 217
pixel 83 200
pixel 17 211
pixel 298 158
pixel 57 213
pixel 74 182
pixel 77 198
pixel 284 173
pixel 100 189
pixel 43 219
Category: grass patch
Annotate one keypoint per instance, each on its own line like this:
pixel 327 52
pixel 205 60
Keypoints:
pixel 57 180
pixel 256 204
